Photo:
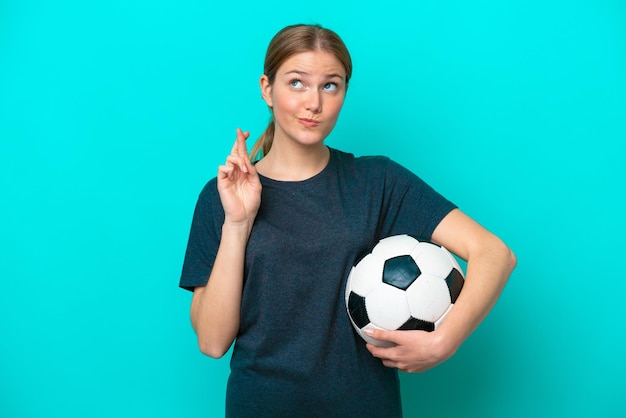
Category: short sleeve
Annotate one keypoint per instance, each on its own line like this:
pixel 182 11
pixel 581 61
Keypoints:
pixel 410 204
pixel 204 238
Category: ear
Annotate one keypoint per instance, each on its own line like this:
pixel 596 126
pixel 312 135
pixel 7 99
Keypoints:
pixel 266 90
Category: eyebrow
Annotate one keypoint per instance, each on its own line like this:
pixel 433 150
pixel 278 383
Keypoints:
pixel 300 72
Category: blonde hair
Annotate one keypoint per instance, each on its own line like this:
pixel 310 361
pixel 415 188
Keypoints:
pixel 287 42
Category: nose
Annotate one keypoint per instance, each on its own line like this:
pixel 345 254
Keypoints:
pixel 314 101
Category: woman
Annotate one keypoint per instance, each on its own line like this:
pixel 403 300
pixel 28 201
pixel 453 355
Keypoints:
pixel 272 243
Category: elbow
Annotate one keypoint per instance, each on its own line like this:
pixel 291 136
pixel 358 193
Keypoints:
pixel 512 260
pixel 508 256
pixel 498 254
pixel 212 349
pixel 214 345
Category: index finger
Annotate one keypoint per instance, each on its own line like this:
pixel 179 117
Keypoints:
pixel 381 337
pixel 235 149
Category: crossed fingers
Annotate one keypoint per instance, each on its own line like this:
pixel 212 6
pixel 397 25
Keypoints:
pixel 238 156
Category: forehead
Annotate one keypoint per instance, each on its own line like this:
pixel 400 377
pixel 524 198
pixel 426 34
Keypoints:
pixel 316 62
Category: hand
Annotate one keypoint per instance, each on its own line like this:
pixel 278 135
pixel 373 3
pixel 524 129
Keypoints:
pixel 239 185
pixel 414 351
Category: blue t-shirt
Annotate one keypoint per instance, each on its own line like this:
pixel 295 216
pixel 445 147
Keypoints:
pixel 296 354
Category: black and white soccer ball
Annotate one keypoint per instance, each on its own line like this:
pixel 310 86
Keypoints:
pixel 402 284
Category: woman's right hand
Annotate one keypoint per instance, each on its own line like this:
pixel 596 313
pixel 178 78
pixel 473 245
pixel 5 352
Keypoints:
pixel 239 185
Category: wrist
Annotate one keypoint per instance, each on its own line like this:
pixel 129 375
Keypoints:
pixel 237 228
pixel 445 343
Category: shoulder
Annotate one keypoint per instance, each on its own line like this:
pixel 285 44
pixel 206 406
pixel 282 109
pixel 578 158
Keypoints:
pixel 366 162
pixel 209 199
pixel 372 165
pixel 209 191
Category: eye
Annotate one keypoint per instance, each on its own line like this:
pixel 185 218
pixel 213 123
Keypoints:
pixel 330 87
pixel 296 84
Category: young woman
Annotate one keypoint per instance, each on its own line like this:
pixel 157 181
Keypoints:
pixel 272 243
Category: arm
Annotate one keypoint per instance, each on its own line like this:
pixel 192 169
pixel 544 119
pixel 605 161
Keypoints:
pixel 215 307
pixel 489 264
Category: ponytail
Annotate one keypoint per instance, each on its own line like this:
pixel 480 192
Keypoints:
pixel 264 143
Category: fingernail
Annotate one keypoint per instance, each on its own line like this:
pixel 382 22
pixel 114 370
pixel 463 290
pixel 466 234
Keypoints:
pixel 369 331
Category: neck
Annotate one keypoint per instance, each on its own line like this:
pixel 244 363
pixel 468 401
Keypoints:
pixel 294 164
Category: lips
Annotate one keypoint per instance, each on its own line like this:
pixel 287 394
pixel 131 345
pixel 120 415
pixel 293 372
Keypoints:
pixel 309 123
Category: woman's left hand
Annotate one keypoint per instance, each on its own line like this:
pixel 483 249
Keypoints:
pixel 414 351
pixel 489 264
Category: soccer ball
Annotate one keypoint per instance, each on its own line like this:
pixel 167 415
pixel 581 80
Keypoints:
pixel 402 284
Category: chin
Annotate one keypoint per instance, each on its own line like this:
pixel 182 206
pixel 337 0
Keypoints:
pixel 306 136
pixel 309 138
pixel 313 142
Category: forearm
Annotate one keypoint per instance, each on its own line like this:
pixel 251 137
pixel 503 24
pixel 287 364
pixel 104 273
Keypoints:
pixel 215 308
pixel 488 269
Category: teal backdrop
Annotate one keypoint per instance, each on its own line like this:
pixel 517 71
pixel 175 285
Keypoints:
pixel 114 114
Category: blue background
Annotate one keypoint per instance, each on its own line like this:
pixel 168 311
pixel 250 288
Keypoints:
pixel 113 115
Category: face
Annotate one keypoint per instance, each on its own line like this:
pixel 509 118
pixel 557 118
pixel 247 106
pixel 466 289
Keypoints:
pixel 306 97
